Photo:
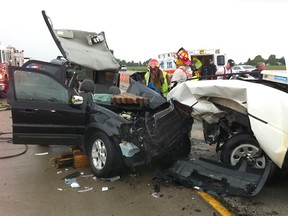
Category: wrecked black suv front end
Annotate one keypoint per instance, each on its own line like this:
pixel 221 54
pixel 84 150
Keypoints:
pixel 145 131
pixel 157 134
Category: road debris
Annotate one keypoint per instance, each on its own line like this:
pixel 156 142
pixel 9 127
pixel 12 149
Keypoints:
pixel 72 183
pixel 155 195
pixel 72 175
pixel 112 179
pixel 41 154
pixel 105 188
pixel 86 189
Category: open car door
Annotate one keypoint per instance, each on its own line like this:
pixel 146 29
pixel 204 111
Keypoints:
pixel 43 111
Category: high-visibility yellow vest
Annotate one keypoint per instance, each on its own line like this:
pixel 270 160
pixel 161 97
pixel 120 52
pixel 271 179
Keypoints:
pixel 164 87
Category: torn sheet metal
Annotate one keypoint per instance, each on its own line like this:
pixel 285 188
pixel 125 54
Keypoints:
pixel 216 178
pixel 270 131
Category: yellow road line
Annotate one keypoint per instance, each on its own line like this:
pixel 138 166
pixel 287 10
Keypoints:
pixel 215 203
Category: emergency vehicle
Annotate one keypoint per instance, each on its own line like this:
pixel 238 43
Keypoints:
pixel 200 56
pixel 8 56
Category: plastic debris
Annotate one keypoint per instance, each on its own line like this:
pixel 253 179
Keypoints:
pixel 86 176
pixel 72 183
pixel 155 195
pixel 59 189
pixel 72 175
pixel 59 172
pixel 112 179
pixel 86 189
pixel 104 188
pixel 43 153
pixel 94 178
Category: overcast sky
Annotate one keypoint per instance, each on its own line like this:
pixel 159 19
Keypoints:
pixel 141 29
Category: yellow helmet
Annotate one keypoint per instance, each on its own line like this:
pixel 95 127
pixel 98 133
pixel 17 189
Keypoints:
pixel 183 55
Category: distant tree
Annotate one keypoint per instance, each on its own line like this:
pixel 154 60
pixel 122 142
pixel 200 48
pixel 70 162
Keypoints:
pixel 249 62
pixel 282 61
pixel 272 60
pixel 257 59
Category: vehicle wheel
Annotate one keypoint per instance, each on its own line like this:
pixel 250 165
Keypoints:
pixel 243 145
pixel 105 159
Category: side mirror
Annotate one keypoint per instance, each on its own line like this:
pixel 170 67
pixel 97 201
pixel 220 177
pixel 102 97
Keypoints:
pixel 77 100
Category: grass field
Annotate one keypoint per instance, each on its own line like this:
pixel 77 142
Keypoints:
pixel 282 67
pixel 143 68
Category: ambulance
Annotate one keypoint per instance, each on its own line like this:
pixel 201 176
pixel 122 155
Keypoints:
pixel 8 56
pixel 200 56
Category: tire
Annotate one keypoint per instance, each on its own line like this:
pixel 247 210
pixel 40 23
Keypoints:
pixel 105 159
pixel 243 145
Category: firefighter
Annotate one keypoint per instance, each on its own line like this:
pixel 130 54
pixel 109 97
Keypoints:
pixel 184 67
pixel 157 79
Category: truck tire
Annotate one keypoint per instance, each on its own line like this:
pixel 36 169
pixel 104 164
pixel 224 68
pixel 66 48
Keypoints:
pixel 243 145
pixel 246 145
pixel 105 159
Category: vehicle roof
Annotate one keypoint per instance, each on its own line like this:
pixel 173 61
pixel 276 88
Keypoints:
pixel 88 49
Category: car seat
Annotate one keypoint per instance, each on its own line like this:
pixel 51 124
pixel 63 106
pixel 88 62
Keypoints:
pixel 86 89
pixel 114 90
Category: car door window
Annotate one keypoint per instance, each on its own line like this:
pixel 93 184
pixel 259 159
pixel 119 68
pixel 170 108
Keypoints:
pixel 35 86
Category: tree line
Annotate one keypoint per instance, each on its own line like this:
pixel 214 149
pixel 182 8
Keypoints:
pixel 272 61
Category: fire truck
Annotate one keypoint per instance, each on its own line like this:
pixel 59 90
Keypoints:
pixel 201 58
pixel 8 56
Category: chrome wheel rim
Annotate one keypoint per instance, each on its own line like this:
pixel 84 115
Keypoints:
pixel 251 153
pixel 99 154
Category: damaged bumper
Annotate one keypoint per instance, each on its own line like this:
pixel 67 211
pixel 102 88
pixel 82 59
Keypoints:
pixel 217 179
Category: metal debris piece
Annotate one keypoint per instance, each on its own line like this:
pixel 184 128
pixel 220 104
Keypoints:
pixel 155 195
pixel 112 179
pixel 72 175
pixel 86 176
pixel 105 188
pixel 86 189
pixel 40 154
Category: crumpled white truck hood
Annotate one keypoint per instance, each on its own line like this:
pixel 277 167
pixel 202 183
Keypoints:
pixel 266 107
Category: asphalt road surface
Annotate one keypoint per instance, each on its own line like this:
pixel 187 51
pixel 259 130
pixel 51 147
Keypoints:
pixel 30 184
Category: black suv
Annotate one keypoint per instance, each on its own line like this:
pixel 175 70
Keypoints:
pixel 51 105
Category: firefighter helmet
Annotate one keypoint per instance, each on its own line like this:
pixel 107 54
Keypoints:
pixel 183 55
pixel 153 63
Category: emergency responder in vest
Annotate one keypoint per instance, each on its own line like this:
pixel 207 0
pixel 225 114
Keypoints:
pixel 156 79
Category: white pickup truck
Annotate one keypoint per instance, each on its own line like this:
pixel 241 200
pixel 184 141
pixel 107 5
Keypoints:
pixel 246 120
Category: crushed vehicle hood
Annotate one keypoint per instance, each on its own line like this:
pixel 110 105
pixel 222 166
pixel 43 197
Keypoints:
pixel 253 99
pixel 88 49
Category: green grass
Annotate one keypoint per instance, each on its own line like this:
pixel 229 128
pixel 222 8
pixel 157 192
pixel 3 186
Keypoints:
pixel 137 68
pixel 143 68
pixel 281 67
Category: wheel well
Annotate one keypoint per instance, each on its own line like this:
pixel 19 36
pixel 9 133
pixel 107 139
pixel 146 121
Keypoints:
pixel 92 130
